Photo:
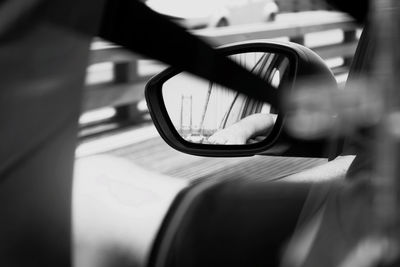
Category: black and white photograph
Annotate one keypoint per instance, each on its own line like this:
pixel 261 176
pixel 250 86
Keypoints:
pixel 199 133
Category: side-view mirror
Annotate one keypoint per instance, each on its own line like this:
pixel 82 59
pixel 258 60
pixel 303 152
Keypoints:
pixel 200 117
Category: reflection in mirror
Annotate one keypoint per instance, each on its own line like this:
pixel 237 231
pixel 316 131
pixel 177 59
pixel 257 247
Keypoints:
pixel 206 113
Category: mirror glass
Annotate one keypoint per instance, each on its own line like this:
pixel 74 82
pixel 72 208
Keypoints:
pixel 206 113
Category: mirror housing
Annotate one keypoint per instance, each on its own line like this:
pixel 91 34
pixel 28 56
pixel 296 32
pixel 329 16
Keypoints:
pixel 304 65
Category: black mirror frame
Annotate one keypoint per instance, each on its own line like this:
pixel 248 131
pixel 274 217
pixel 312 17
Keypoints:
pixel 302 62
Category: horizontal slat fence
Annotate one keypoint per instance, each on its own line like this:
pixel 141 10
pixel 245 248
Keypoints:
pixel 125 88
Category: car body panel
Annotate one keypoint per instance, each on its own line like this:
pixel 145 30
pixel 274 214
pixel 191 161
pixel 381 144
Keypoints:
pixel 118 204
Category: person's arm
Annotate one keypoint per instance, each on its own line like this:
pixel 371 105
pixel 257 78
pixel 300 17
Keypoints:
pixel 241 131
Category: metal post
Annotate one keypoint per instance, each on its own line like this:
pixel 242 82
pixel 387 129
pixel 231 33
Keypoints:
pixel 125 72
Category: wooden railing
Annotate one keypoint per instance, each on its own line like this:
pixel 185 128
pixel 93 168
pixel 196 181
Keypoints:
pixel 125 86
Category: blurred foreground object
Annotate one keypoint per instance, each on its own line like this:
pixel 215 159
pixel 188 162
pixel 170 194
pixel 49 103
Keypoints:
pixel 357 8
pixel 358 224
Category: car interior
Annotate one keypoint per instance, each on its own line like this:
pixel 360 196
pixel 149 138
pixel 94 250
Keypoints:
pixel 159 221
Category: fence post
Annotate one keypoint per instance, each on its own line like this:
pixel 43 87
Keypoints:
pixel 349 37
pixel 296 6
pixel 127 72
pixel 297 39
pixel 316 5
